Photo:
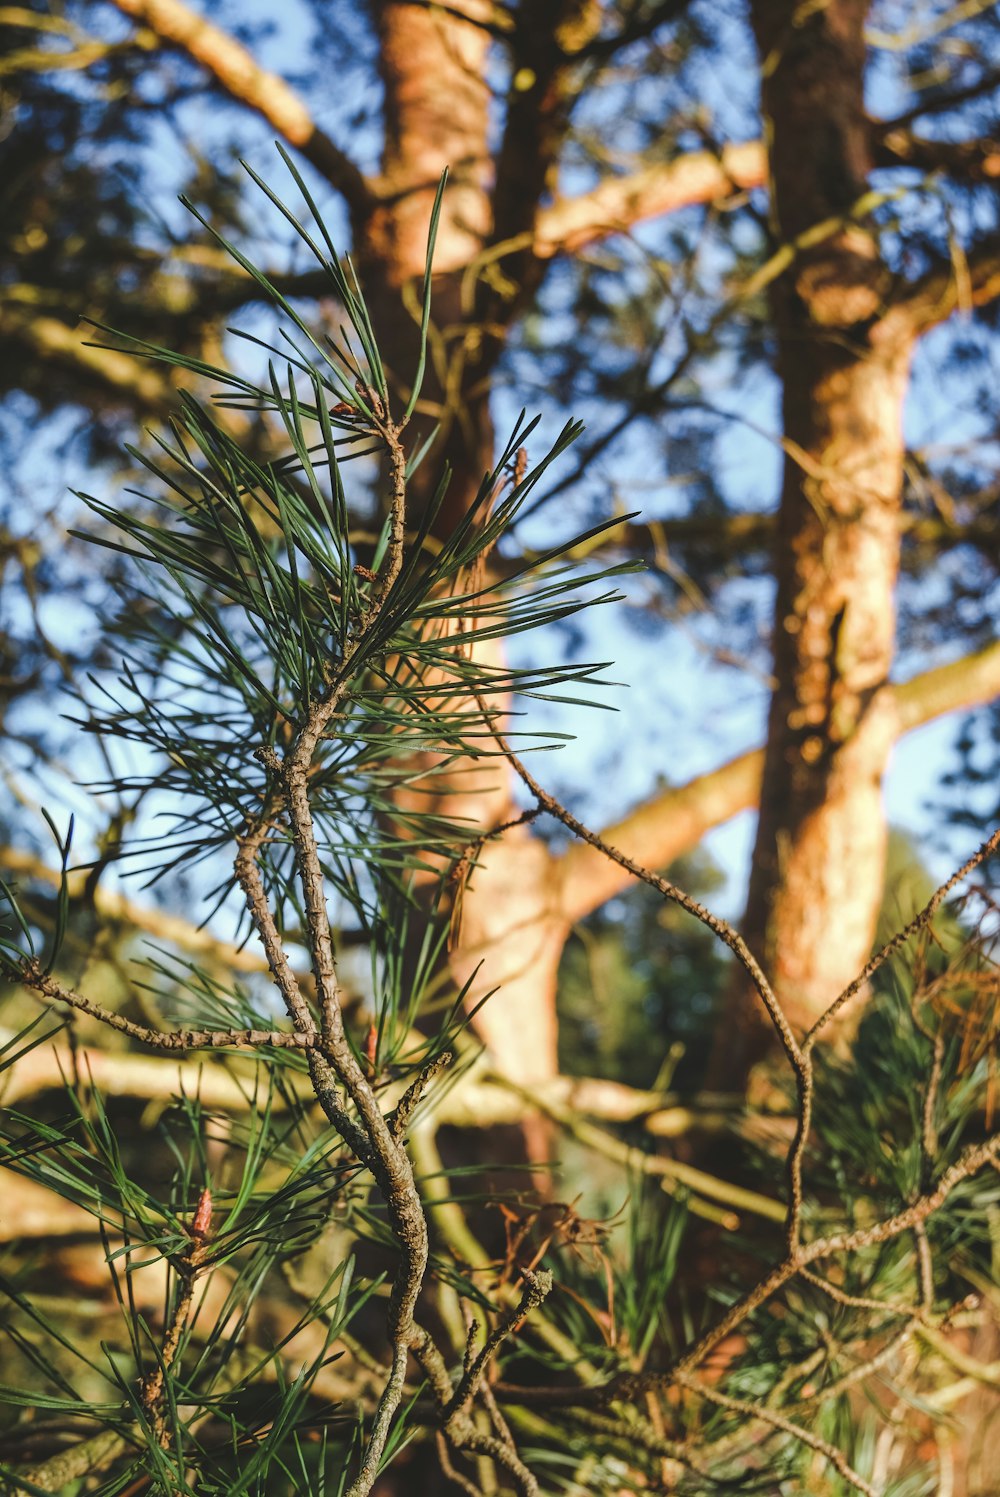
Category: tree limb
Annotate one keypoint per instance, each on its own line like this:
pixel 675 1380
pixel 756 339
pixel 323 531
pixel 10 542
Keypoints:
pixel 118 909
pixel 619 203
pixel 175 296
pixel 232 66
pixel 722 538
pixel 674 821
pixel 477 1098
pixel 972 681
pixel 953 285
pixel 975 160
pixel 54 342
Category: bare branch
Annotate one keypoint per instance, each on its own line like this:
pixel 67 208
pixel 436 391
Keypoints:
pixel 619 203
pixel 721 928
pixel 676 819
pixel 750 1410
pixel 954 285
pixel 987 1373
pixel 233 67
pixel 31 976
pixel 249 879
pixel 967 160
pixel 187 1268
pixel 537 1286
pixel 918 923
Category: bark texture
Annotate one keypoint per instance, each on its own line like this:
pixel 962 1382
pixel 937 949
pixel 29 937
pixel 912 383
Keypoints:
pixel 843 359
pixel 433 64
pixel 436 105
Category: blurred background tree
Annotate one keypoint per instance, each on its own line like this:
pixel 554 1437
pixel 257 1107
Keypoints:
pixel 734 321
pixel 753 245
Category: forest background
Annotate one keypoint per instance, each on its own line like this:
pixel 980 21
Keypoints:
pixel 754 249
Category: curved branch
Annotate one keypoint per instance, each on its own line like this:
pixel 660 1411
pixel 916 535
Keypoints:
pixel 618 203
pixel 953 285
pixel 676 820
pixel 238 72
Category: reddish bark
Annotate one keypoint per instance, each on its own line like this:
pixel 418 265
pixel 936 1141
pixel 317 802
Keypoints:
pixel 843 361
pixel 433 67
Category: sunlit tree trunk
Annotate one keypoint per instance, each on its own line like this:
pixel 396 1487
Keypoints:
pixel 433 65
pixel 843 361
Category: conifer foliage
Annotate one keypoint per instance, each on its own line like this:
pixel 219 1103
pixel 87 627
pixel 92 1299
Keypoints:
pixel 292 695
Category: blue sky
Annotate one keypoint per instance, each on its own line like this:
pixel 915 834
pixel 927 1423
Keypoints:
pixel 676 716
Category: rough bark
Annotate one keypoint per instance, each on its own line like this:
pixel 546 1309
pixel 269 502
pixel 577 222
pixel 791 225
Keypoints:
pixel 843 361
pixel 436 107
pixel 434 68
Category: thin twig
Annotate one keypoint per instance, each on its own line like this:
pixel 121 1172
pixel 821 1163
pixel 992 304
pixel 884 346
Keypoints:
pixel 919 922
pixel 249 879
pixel 799 1057
pixel 778 1421
pixel 401 1116
pixel 191 1260
pixel 31 976
pixel 864 1369
pixel 537 1286
pixel 855 1301
pixel 392 563
pixel 719 927
pixel 969 1162
pixel 448 1470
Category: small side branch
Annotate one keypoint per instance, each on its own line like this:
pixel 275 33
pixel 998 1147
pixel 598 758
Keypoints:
pixel 749 1410
pixel 31 976
pixel 154 1386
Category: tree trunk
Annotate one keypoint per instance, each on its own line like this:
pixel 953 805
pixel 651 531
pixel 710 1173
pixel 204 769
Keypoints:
pixel 843 361
pixel 437 99
pixel 436 106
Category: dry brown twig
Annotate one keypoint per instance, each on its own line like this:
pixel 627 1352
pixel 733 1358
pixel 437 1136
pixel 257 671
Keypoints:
pixel 346 1091
pixel 188 1266
pixel 799 1054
